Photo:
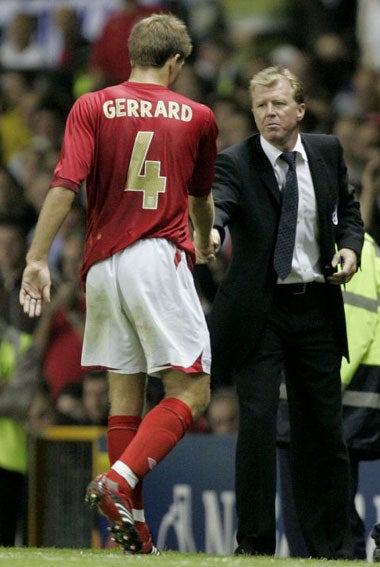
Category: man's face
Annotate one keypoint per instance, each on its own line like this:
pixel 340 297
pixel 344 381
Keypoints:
pixel 95 398
pixel 277 114
pixel 223 416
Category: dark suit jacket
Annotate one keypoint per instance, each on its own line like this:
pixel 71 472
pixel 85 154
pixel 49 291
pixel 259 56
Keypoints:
pixel 248 201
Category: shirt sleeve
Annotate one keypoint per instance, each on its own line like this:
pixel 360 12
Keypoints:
pixel 77 150
pixel 203 175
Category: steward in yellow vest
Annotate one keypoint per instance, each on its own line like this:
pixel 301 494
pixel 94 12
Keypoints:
pixel 361 378
pixel 18 380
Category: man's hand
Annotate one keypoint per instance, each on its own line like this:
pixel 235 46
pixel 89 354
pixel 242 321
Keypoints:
pixel 35 288
pixel 205 252
pixel 215 235
pixel 348 261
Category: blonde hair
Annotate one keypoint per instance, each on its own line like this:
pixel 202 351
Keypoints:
pixel 271 75
pixel 155 39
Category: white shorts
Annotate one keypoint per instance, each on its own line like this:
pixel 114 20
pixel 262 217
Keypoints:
pixel 143 312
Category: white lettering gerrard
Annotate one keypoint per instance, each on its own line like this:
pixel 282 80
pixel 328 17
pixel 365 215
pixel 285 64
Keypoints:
pixel 121 107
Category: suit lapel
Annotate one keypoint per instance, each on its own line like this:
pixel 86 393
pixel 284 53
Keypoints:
pixel 265 170
pixel 320 176
pixel 324 194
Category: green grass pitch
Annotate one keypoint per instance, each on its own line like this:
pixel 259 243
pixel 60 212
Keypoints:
pixel 49 557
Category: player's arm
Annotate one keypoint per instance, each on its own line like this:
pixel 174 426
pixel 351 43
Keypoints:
pixel 36 281
pixel 201 211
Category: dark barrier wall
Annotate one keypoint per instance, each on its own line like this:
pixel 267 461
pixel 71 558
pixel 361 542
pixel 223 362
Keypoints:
pixel 189 497
pixel 190 500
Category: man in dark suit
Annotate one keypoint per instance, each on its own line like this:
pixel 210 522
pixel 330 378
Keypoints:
pixel 272 314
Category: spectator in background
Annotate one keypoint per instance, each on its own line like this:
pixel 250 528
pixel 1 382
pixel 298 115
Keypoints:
pixel 370 196
pixel 212 62
pixel 205 19
pixel 361 97
pixel 310 19
pixel 109 61
pixel 223 411
pixel 30 162
pixel 333 63
pixel 361 142
pixel 72 51
pixel 18 100
pixel 367 33
pixel 19 376
pixel 38 179
pixel 46 125
pixel 345 128
pixel 75 48
pixel 69 405
pixel 13 246
pixel 361 378
pixel 85 402
pixel 190 84
pixel 95 397
pixel 235 122
pixel 13 203
pixel 20 48
pixel 42 412
pixel 360 137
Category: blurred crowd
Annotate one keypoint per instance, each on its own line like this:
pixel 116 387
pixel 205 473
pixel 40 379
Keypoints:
pixel 332 46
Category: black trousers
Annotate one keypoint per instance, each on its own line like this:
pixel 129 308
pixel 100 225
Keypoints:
pixel 296 543
pixel 12 506
pixel 299 339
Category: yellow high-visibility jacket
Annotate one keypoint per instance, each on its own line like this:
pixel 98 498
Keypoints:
pixel 361 377
pixel 13 438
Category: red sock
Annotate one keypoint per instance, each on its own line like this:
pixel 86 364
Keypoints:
pixel 121 430
pixel 159 432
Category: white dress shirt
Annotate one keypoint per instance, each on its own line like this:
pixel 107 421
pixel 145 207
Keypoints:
pixel 305 264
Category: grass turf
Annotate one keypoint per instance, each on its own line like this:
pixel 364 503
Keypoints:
pixel 49 557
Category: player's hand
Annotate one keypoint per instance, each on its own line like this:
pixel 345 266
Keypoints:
pixel 347 260
pixel 35 288
pixel 205 251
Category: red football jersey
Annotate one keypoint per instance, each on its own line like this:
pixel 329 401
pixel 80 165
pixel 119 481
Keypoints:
pixel 140 149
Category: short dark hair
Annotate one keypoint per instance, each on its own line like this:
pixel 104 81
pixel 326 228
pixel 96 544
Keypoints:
pixel 155 39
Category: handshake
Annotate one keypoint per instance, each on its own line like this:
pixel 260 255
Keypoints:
pixel 206 251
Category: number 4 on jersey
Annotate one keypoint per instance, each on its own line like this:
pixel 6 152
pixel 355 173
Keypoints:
pixel 149 181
